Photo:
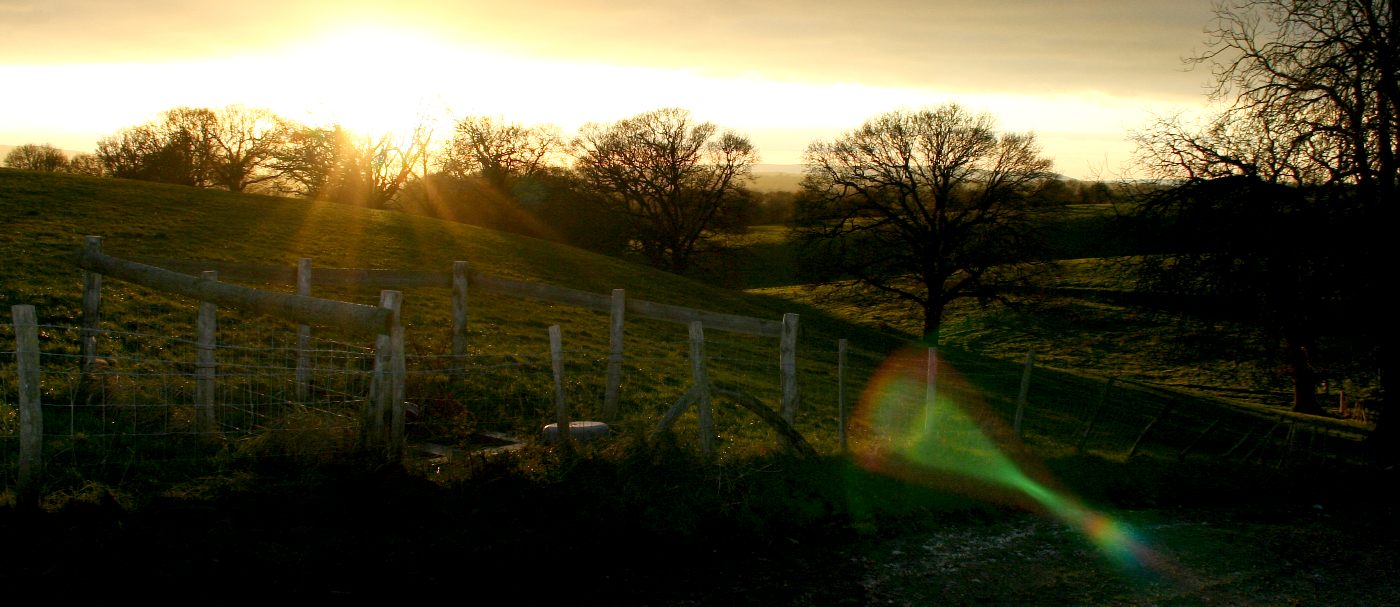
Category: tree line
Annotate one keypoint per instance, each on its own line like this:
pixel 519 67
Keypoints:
pixel 659 183
pixel 1282 203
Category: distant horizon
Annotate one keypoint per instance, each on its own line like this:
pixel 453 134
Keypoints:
pixel 758 168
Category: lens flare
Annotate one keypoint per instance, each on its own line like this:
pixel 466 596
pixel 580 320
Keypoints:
pixel 939 432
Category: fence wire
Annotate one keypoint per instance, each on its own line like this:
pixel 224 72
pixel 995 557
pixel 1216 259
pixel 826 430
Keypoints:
pixel 138 403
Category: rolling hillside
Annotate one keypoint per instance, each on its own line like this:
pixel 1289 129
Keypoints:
pixel 47 217
pixel 652 522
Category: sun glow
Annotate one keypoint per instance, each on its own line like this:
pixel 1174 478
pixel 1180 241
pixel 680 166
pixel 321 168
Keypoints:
pixel 379 78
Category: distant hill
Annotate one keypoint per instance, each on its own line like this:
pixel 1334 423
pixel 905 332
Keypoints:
pixel 777 177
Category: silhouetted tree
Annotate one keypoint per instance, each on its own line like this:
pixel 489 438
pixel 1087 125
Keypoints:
pixel 229 148
pixel 241 144
pixel 1252 250
pixel 1309 134
pixel 502 153
pixel 331 163
pixel 86 164
pixel 165 151
pixel 923 206
pixel 674 180
pixel 36 157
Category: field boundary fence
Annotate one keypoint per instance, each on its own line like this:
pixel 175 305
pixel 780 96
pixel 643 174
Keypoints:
pixel 201 368
pixel 260 387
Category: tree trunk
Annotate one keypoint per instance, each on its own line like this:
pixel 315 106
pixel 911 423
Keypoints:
pixel 933 319
pixel 1381 445
pixel 1304 377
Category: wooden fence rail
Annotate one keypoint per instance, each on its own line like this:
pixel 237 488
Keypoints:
pixel 383 322
pixel 401 279
pixel 462 279
pixel 299 308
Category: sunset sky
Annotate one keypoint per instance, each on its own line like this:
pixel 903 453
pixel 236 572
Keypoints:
pixel 1080 74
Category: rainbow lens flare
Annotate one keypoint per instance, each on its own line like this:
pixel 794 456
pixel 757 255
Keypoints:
pixel 942 434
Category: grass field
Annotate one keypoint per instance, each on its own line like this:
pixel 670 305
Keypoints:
pixel 648 520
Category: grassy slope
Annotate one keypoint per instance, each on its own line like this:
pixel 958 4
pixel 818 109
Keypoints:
pixel 47 216
pixel 653 526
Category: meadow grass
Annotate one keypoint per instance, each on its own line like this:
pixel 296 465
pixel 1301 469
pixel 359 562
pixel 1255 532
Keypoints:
pixel 1077 343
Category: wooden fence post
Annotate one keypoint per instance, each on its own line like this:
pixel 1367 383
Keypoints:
pixel 930 389
pixel 1182 456
pixel 1288 444
pixel 702 385
pixel 31 412
pixel 1143 434
pixel 92 306
pixel 1247 434
pixel 393 301
pixel 1094 417
pixel 561 404
pixel 206 329
pixel 303 372
pixel 1025 390
pixel 788 366
pixel 841 393
pixel 386 383
pixel 1259 446
pixel 615 326
pixel 459 312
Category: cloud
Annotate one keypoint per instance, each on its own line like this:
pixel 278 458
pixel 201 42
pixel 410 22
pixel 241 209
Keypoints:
pixel 1125 47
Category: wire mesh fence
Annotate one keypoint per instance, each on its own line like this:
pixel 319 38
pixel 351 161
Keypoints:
pixel 139 403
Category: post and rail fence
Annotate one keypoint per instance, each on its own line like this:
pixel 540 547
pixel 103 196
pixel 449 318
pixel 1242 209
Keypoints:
pixel 1099 422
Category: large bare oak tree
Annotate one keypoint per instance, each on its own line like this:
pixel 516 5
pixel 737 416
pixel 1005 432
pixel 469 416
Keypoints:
pixel 923 206
pixel 1308 140
pixel 673 178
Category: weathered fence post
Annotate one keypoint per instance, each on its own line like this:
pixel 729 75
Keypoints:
pixel 303 372
pixel 930 389
pixel 31 412
pixel 615 325
pixel 459 312
pixel 393 301
pixel 387 380
pixel 561 404
pixel 1160 414
pixel 206 341
pixel 788 365
pixel 1182 456
pixel 841 393
pixel 1288 445
pixel 702 384
pixel 1259 446
pixel 1094 417
pixel 1025 390
pixel 92 305
pixel 1247 434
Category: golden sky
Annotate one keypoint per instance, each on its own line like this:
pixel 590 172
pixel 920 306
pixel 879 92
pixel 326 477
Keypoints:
pixel 1080 74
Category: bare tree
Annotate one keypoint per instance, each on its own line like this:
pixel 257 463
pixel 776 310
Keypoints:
pixel 332 163
pixel 673 179
pixel 36 157
pixel 86 164
pixel 230 148
pixel 1321 75
pixel 923 206
pixel 241 144
pixel 500 152
pixel 151 152
pixel 1308 143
